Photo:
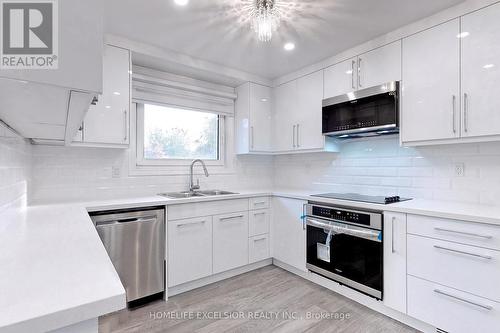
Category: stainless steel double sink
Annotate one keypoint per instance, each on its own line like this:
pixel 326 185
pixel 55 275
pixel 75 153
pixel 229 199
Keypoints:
pixel 191 194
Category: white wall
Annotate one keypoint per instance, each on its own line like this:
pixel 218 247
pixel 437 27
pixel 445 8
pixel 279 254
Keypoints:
pixel 73 174
pixel 15 169
pixel 379 166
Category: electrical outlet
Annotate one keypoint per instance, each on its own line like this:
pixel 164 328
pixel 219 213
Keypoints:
pixel 459 169
pixel 115 172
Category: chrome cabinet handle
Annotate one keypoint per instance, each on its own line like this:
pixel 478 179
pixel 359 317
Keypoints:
pixel 261 213
pixel 298 137
pixel 464 233
pixel 125 125
pixel 359 73
pixel 231 217
pixel 251 137
pixel 454 100
pixel 259 239
pixel 190 223
pixel 486 307
pixel 466 111
pixel 294 136
pixel 352 73
pixel 462 252
pixel 392 235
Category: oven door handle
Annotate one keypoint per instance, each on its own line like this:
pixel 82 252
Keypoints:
pixel 338 228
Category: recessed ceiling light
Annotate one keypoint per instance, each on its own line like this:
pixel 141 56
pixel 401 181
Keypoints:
pixel 463 34
pixel 289 46
pixel 488 66
pixel 181 2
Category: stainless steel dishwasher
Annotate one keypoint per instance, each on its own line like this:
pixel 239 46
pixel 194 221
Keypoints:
pixel 135 241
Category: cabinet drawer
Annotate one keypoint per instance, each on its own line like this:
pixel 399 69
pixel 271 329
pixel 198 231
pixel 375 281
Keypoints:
pixel 189 252
pixel 258 248
pixel 206 208
pixel 230 241
pixel 468 268
pixel 258 203
pixel 449 309
pixel 477 234
pixel 258 222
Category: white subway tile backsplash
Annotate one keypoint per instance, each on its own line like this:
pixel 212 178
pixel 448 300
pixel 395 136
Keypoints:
pixel 15 169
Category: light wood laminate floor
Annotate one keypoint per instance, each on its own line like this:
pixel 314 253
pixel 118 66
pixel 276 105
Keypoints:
pixel 269 299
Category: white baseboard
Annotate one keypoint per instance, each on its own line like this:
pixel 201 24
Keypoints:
pixel 367 301
pixel 172 291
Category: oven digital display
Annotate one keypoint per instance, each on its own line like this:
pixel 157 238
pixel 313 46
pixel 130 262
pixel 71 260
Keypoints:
pixel 341 215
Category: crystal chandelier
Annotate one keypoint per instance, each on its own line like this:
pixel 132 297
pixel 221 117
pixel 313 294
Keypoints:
pixel 265 19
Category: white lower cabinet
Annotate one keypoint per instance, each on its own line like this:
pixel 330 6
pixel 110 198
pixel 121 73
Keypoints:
pixel 258 248
pixel 189 249
pixel 394 295
pixel 288 232
pixel 450 309
pixel 230 241
pixel 464 267
pixel 258 222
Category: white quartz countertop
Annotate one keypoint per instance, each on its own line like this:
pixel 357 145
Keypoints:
pixel 56 272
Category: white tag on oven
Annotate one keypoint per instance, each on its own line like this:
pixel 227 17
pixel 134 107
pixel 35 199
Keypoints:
pixel 323 252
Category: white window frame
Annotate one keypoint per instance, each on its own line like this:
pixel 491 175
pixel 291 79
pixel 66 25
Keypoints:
pixel 170 162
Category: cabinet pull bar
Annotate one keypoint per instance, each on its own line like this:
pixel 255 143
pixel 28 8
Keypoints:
pixel 125 122
pixel 191 223
pixel 466 111
pixel 294 136
pixel 259 239
pixel 261 213
pixel 454 101
pixel 359 73
pixel 298 137
pixel 393 249
pixel 231 217
pixel 464 233
pixel 462 252
pixel 486 307
pixel 352 74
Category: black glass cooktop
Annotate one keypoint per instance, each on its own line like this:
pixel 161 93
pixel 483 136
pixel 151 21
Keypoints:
pixel 362 198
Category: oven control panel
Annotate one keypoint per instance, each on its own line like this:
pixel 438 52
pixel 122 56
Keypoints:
pixel 341 215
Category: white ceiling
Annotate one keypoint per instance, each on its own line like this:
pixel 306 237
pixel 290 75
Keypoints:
pixel 214 30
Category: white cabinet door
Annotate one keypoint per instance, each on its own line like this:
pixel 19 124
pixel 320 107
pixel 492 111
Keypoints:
pixel 258 222
pixel 380 66
pixel 258 248
pixel 340 78
pixel 108 121
pixel 395 261
pixel 481 72
pixel 260 118
pixel 230 241
pixel 431 84
pixel 189 252
pixel 285 111
pixel 288 232
pixel 308 130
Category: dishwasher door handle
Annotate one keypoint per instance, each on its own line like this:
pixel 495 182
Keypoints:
pixel 129 220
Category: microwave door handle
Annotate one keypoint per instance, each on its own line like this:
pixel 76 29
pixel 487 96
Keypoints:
pixel 367 234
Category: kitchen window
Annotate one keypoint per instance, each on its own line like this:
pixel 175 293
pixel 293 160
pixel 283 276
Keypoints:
pixel 168 135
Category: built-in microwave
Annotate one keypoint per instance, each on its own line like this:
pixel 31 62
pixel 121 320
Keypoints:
pixel 368 112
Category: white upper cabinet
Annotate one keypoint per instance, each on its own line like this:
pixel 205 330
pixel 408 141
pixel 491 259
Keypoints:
pixel 297 117
pixel 285 110
pixel 431 84
pixel 481 72
pixel 253 119
pixel 379 66
pixel 369 69
pixel 308 131
pixel 340 78
pixel 107 122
